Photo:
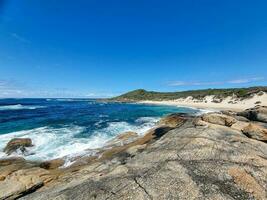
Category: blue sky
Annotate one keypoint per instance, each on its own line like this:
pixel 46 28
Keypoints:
pixel 97 48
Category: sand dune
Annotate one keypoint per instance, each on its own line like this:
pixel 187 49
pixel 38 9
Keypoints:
pixel 211 102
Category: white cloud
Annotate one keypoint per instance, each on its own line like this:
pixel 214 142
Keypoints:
pixel 100 94
pixel 234 81
pixel 91 95
pixel 9 88
pixel 246 80
pixel 19 38
pixel 197 83
pixel 178 83
pixel 14 89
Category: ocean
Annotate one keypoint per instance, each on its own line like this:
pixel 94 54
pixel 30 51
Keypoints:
pixel 68 127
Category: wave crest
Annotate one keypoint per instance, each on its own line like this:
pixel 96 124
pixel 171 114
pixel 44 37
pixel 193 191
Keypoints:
pixel 66 142
pixel 19 107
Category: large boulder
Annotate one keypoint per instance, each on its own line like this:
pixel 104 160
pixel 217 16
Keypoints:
pixel 258 113
pixel 256 132
pixel 173 120
pixel 17 144
pixel 220 119
pixel 234 114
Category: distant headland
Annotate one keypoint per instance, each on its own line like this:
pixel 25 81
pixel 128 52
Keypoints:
pixel 229 98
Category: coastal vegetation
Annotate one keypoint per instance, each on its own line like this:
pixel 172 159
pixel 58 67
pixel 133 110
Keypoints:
pixel 141 94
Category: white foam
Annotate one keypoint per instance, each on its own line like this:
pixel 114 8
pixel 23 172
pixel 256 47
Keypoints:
pixel 100 137
pixel 70 100
pixel 64 100
pixel 148 119
pixel 198 110
pixel 204 111
pixel 19 107
pixel 143 125
pixel 50 143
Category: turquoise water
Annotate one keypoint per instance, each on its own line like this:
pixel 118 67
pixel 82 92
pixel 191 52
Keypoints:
pixel 66 127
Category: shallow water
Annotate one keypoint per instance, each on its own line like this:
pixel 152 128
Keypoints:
pixel 67 127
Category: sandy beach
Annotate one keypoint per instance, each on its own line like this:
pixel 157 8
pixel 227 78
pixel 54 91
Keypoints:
pixel 228 103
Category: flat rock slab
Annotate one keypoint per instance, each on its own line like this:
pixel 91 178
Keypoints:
pixel 189 162
pixel 22 182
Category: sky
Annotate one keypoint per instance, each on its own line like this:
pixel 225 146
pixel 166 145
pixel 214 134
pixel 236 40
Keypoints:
pixel 102 48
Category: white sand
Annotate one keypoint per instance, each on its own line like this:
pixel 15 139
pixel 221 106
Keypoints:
pixel 229 103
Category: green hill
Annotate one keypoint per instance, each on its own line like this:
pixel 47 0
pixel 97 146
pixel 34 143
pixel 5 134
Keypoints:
pixel 142 94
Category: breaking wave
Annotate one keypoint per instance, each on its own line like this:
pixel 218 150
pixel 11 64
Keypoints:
pixel 19 107
pixel 50 143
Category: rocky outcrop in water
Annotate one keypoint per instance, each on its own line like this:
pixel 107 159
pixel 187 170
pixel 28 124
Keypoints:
pixel 201 158
pixel 18 144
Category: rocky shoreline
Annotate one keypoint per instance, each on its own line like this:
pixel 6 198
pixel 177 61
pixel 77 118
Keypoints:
pixel 220 155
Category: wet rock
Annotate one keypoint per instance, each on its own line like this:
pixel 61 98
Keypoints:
pixel 258 113
pixel 18 144
pixel 52 164
pixel 256 132
pixel 173 120
pixel 220 119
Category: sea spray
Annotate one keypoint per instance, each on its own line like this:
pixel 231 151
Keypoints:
pixel 70 127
